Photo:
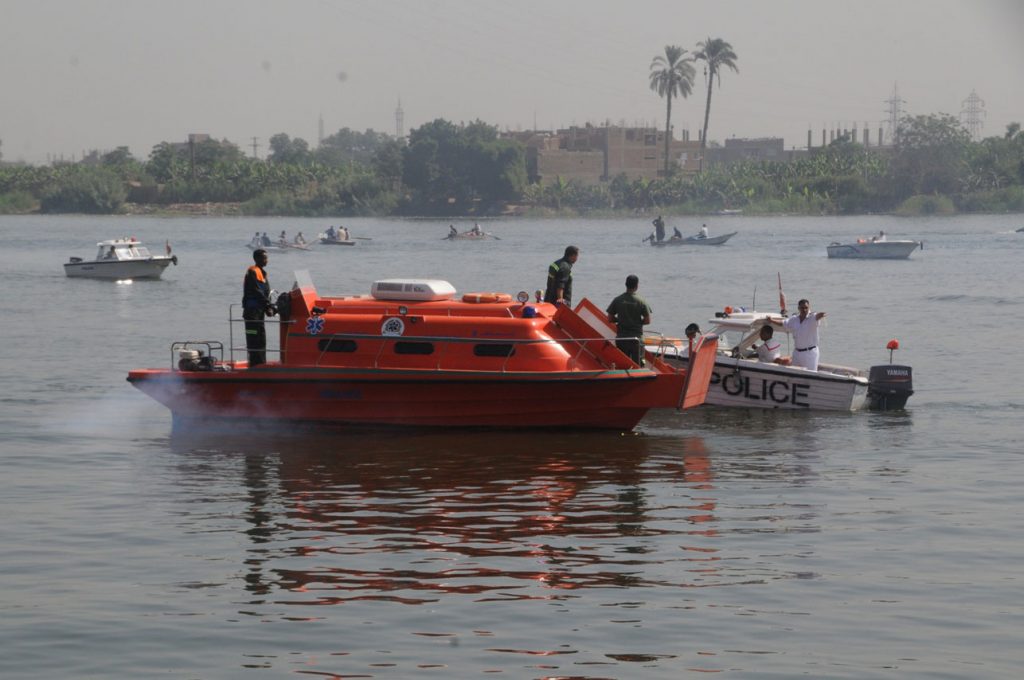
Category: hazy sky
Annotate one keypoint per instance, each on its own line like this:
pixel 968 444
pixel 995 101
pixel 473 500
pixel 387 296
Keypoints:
pixel 77 75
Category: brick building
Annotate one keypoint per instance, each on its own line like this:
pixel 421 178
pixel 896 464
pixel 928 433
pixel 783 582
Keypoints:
pixel 592 154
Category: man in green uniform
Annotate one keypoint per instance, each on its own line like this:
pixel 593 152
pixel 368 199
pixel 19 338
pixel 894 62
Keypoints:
pixel 559 288
pixel 630 313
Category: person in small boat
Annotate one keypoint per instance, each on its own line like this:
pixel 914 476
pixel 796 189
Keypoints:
pixel 343 233
pixel 559 287
pixel 703 233
pixel 804 327
pixel 300 240
pixel 283 238
pixel 476 229
pixel 265 240
pixel 256 241
pixel 659 228
pixel 769 351
pixel 676 234
pixel 452 231
pixel 880 238
pixel 630 313
pixel 256 306
pixel 330 234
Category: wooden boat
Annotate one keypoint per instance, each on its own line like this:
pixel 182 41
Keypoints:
pixel 740 379
pixel 865 249
pixel 277 246
pixel 471 236
pixel 327 241
pixel 120 259
pixel 695 240
pixel 412 353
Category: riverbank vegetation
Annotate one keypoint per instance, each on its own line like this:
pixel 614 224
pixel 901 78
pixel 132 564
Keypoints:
pixel 444 169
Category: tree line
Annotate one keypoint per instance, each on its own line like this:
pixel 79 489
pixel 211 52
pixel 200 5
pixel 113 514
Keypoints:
pixel 448 169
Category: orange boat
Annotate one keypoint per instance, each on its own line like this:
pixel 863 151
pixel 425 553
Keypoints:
pixel 412 353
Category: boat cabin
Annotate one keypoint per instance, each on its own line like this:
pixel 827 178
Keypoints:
pixel 122 249
pixel 424 324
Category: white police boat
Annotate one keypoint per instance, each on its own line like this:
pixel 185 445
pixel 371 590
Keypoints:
pixel 121 259
pixel 741 379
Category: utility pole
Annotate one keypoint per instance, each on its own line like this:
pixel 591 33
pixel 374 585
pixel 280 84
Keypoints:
pixel 971 115
pixel 895 113
pixel 255 146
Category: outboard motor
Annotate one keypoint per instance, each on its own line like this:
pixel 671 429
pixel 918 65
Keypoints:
pixel 889 387
pixel 284 306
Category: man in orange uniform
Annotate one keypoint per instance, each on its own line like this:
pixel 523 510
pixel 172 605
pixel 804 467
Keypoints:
pixel 255 306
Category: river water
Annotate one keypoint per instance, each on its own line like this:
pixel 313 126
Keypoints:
pixel 741 543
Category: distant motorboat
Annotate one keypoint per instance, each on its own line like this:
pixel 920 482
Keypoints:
pixel 865 249
pixel 120 259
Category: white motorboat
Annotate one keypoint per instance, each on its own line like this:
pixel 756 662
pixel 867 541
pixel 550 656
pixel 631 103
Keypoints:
pixel 740 379
pixel 120 259
pixel 866 249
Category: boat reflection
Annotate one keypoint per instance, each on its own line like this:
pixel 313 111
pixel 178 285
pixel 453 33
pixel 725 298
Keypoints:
pixel 510 516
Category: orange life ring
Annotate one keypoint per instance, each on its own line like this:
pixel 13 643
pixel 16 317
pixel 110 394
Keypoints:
pixel 487 297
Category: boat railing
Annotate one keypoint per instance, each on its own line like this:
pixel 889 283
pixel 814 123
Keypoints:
pixel 232 320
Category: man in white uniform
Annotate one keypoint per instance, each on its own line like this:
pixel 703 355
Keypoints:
pixel 769 351
pixel 804 327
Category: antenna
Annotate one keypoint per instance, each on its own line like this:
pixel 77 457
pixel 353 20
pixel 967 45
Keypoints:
pixel 895 112
pixel 972 114
pixel 399 121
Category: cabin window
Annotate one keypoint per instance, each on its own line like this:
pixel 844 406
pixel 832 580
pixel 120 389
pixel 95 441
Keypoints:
pixel 336 345
pixel 406 347
pixel 494 350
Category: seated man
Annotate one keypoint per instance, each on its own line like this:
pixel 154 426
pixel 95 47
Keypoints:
pixel 769 349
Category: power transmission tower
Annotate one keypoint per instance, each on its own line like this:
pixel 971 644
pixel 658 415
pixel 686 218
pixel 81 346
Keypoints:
pixel 895 113
pixel 971 115
pixel 255 146
pixel 320 131
pixel 399 120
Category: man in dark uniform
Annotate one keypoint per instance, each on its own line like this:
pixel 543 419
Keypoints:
pixel 559 287
pixel 255 305
pixel 630 313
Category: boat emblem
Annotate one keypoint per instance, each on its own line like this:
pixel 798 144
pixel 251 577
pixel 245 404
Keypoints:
pixel 315 325
pixel 392 326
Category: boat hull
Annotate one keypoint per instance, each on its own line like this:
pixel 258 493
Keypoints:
pixel 693 241
pixel 886 250
pixel 114 270
pixel 615 399
pixel 753 384
pixel 336 242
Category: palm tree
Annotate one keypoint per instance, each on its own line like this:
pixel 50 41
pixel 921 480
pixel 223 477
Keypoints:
pixel 716 53
pixel 671 76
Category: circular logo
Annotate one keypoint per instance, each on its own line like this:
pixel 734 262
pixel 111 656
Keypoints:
pixel 392 326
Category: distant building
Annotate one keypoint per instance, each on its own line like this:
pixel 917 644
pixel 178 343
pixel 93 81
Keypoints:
pixel 592 155
pixel 761 149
